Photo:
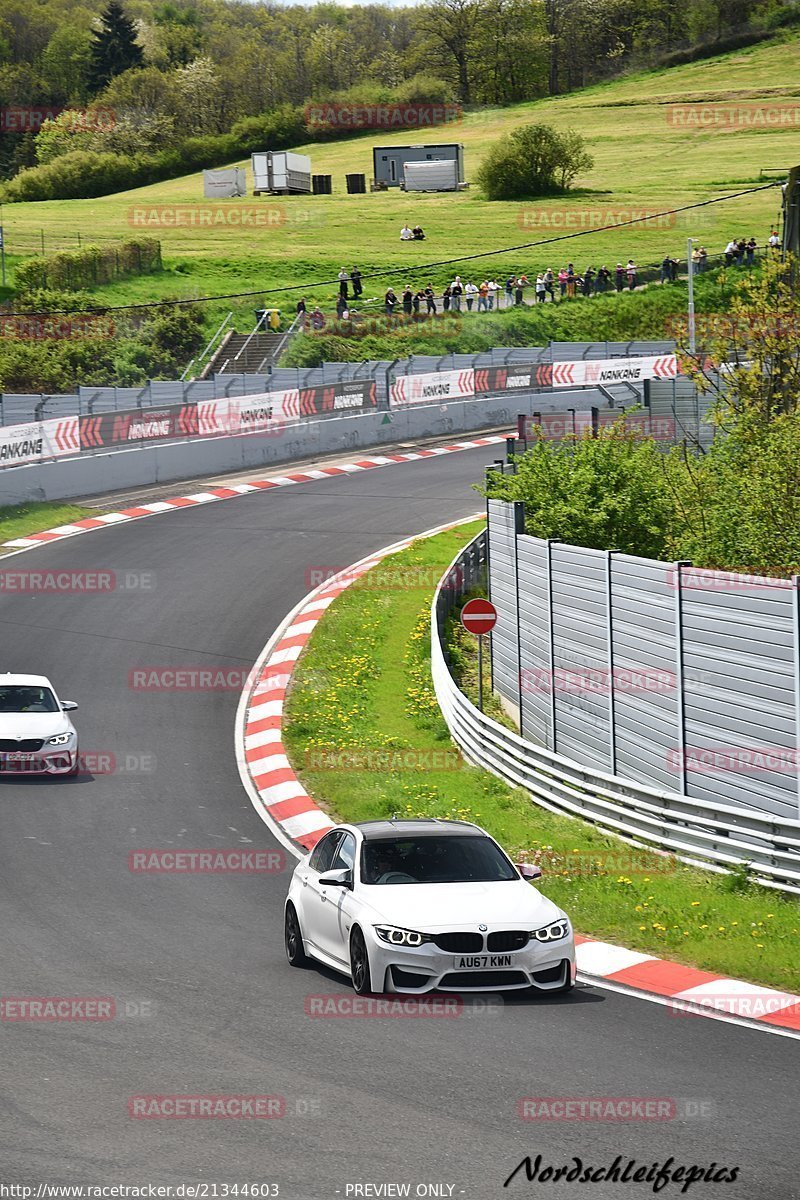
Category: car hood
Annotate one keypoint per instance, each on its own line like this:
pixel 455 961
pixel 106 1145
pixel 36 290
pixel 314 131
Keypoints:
pixel 435 907
pixel 33 725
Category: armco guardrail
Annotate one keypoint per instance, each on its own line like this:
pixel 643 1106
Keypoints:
pixel 713 835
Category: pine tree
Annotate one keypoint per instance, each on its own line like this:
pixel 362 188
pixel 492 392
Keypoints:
pixel 114 46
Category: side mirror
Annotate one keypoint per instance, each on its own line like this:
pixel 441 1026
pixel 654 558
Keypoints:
pixel 342 879
pixel 68 705
pixel 529 870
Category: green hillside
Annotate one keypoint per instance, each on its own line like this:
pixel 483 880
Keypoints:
pixel 643 162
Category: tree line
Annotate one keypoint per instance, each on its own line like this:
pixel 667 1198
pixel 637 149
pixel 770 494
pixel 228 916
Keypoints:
pixel 196 67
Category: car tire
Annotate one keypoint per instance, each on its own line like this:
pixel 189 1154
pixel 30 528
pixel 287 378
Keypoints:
pixel 359 964
pixel 293 938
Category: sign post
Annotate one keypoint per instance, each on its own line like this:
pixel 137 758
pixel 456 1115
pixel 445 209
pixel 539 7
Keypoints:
pixel 479 617
pixel 3 255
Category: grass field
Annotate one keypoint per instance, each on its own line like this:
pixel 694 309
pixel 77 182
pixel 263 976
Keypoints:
pixel 18 520
pixel 642 163
pixel 362 687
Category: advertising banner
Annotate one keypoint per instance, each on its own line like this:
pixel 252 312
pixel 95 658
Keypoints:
pixel 38 440
pixel 515 377
pixel 125 426
pixel 614 370
pixel 432 386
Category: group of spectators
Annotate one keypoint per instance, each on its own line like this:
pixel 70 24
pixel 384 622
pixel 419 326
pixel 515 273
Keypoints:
pixel 485 296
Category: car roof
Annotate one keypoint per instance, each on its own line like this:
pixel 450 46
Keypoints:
pixel 416 827
pixel 7 677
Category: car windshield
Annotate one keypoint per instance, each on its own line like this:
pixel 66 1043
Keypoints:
pixel 26 698
pixel 434 859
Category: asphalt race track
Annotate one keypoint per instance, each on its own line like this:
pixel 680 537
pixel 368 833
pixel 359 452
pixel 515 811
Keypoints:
pixel 206 1003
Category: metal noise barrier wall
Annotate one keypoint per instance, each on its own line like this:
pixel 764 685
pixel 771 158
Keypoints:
pixel 706 831
pixel 670 675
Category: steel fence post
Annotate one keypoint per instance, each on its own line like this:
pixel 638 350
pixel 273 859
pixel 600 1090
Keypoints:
pixel 681 716
pixel 551 644
pixel 796 649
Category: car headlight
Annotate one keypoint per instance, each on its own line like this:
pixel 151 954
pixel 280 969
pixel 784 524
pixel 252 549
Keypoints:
pixel 401 937
pixel 552 933
pixel 60 739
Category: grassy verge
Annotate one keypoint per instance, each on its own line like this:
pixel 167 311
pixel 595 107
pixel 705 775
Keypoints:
pixel 365 733
pixel 18 520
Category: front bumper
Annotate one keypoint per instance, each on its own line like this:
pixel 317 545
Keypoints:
pixel 413 971
pixel 53 760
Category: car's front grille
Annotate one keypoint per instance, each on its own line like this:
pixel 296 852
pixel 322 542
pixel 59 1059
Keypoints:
pixel 459 943
pixel 477 979
pixel 28 746
pixel 508 939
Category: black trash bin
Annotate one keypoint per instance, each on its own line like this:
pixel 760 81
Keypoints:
pixel 356 184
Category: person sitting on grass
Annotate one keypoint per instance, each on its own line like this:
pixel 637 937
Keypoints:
pixel 419 236
pixel 406 234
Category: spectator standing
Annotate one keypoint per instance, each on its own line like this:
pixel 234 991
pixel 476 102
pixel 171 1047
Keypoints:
pixel 355 279
pixel 541 294
pixel 562 282
pixel 510 291
pixel 572 279
pixel 666 269
pixel 588 279
pixel 417 301
pixel 483 296
pixel 619 277
pixel 408 299
pixel 456 291
pixel 702 258
pixel 317 319
pixel 470 292
pixel 301 309
pixel 549 279
pixel 344 279
pixel 341 307
pixel 446 296
pixel 773 241
pixel 390 301
pixel 518 289
pixel 430 299
pixel 730 252
pixel 674 264
pixel 603 279
pixel 494 288
pixel 630 271
pixel 741 247
pixel 750 251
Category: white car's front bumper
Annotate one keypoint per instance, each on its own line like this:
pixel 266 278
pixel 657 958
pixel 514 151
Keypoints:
pixel 546 966
pixel 50 760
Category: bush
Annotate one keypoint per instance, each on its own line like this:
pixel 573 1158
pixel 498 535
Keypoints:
pixel 604 492
pixel 85 268
pixel 535 160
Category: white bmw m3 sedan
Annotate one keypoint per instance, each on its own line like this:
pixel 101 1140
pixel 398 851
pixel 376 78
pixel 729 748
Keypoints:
pixel 416 905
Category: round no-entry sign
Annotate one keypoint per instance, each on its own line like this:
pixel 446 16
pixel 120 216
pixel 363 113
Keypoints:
pixel 479 616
